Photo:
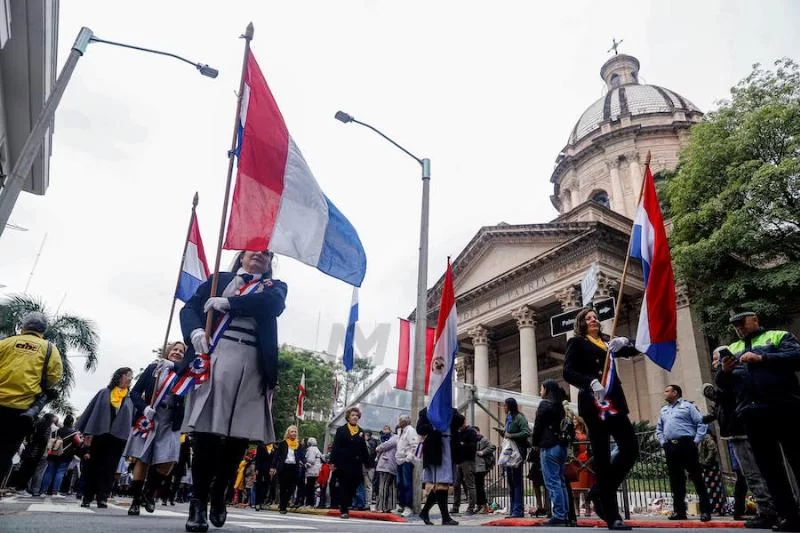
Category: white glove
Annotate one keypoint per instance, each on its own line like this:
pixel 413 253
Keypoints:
pixel 218 303
pixel 598 390
pixel 199 341
pixel 617 343
pixel 149 412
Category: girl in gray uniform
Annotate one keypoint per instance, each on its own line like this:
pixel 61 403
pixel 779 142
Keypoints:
pixel 234 406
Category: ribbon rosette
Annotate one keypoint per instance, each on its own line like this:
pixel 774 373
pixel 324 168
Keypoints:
pixel 200 369
pixel 143 426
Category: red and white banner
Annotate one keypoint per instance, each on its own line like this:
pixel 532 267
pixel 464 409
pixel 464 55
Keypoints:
pixel 300 413
pixel 406 360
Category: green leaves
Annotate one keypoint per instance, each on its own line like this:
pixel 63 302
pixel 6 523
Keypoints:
pixel 735 201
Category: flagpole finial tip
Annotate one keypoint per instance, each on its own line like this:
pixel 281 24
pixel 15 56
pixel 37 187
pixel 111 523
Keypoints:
pixel 196 199
pixel 248 33
pixel 647 158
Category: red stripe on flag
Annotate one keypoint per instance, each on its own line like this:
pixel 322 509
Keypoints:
pixel 264 149
pixel 194 237
pixel 429 342
pixel 404 355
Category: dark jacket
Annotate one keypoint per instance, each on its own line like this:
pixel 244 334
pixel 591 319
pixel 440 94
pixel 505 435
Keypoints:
pixel 769 384
pixel 37 440
pixel 100 417
pixel 465 443
pixel 265 307
pixel 279 454
pixel 583 363
pixel 548 421
pixel 372 448
pixel 350 452
pixel 142 393
pixel 432 446
pixel 264 459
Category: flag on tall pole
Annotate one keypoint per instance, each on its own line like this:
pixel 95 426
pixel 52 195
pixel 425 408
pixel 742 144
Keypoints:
pixel 194 271
pixel 300 413
pixel 407 359
pixel 348 358
pixel 277 203
pixel 657 333
pixel 445 348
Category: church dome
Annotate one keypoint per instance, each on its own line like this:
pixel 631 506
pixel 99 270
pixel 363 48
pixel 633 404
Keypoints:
pixel 626 97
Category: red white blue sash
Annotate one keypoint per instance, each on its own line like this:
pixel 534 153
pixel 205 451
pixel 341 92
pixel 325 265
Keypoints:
pixel 143 426
pixel 606 407
pixel 199 370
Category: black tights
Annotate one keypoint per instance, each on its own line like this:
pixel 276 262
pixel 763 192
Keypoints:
pixel 214 466
pixel 440 498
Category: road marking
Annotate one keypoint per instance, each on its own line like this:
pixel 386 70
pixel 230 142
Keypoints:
pixel 256 525
pixel 53 508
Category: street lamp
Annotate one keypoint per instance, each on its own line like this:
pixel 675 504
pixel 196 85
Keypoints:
pixel 418 390
pixel 15 180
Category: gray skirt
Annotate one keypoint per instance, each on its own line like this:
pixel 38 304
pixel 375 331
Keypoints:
pixel 232 403
pixel 444 472
pixel 161 446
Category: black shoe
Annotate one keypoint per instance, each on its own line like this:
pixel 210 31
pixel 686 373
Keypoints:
pixel 619 525
pixel 738 517
pixel 449 522
pixel 555 522
pixel 102 505
pixel 133 510
pixel 678 516
pixel 84 503
pixel 283 511
pixel 344 516
pixel 705 517
pixel 760 522
pixel 172 503
pixel 149 504
pixel 787 524
pixel 426 519
pixel 197 521
pixel 218 515
pixel 164 503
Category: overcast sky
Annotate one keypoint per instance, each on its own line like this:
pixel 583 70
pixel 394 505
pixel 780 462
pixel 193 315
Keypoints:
pixel 489 91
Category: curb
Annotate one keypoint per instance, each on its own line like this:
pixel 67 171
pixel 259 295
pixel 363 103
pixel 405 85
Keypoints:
pixel 363 515
pixel 664 524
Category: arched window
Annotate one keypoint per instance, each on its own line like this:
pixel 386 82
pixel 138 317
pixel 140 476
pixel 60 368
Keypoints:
pixel 614 80
pixel 601 197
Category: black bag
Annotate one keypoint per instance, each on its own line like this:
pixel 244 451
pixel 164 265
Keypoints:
pixel 566 431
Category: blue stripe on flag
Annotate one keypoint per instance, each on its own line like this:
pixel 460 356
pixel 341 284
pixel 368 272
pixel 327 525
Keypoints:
pixel 636 251
pixel 349 359
pixel 342 254
pixel 663 354
pixel 187 286
pixel 440 409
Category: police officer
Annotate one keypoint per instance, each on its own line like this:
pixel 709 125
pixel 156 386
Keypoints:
pixel 680 429
pixel 759 369
pixel 26 384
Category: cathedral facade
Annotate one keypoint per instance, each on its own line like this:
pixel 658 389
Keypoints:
pixel 511 280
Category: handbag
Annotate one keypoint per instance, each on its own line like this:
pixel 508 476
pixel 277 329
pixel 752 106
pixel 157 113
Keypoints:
pixel 509 454
pixel 572 470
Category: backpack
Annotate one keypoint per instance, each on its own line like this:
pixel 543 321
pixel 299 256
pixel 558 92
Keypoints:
pixel 56 446
pixel 566 431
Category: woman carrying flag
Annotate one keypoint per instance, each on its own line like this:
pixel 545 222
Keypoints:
pixel 232 404
pixel 156 437
pixel 604 410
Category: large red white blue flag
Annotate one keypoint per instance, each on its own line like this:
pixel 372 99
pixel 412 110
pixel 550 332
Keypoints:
pixel 657 332
pixel 277 204
pixel 445 348
pixel 194 271
pixel 406 357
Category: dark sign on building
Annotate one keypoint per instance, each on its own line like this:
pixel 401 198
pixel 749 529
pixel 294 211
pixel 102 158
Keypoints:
pixel 565 322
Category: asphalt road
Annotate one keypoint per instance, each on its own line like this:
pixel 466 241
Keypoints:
pixel 33 515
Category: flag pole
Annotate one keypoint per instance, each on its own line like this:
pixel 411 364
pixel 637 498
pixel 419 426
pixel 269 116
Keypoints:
pixel 248 36
pixel 607 363
pixel 180 270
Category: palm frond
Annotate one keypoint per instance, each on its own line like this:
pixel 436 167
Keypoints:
pixel 61 406
pixel 80 334
pixel 14 308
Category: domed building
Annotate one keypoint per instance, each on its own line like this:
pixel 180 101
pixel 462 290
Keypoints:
pixel 518 287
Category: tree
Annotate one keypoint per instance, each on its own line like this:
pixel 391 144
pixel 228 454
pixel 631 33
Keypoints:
pixel 72 335
pixel 319 392
pixel 735 202
pixel 357 377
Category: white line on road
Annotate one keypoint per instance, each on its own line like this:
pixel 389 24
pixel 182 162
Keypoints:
pixel 53 508
pixel 256 525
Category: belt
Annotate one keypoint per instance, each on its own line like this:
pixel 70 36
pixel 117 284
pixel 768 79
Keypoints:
pixel 679 439
pixel 242 330
pixel 240 341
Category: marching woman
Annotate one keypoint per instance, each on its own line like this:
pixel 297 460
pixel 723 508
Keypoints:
pixel 233 406
pixel 158 448
pixel 106 425
pixel 286 461
pixel 349 455
pixel 606 415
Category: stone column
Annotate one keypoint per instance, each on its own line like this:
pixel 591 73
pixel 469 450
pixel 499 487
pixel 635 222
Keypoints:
pixel 480 341
pixel 569 298
pixel 635 179
pixel 618 194
pixel 470 366
pixel 606 288
pixel 528 365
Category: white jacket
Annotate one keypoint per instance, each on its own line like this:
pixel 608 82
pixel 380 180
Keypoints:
pixel 313 461
pixel 406 445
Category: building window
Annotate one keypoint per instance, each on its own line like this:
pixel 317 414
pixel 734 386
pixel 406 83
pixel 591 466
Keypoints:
pixel 601 197
pixel 614 81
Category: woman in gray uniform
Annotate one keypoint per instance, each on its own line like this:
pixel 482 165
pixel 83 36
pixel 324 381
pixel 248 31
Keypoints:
pixel 234 406
pixel 160 447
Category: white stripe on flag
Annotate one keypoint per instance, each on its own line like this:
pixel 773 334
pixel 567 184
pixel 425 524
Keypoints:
pixel 192 264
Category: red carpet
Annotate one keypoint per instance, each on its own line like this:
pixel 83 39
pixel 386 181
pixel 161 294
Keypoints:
pixel 671 524
pixel 369 515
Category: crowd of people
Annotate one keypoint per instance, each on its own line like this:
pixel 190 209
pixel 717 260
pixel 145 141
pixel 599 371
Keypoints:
pixel 217 445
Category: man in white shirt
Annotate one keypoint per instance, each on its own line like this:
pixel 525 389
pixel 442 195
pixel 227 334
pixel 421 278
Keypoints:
pixel 406 451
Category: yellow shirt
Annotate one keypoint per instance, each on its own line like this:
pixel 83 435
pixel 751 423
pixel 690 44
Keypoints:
pixel 21 360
